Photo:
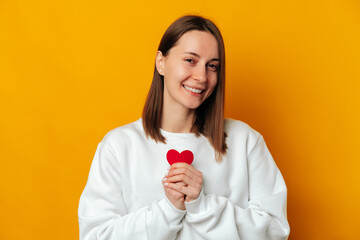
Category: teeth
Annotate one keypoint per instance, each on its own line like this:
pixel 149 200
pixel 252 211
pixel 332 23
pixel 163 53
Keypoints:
pixel 193 89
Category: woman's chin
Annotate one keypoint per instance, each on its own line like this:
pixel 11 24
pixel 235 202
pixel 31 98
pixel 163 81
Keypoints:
pixel 193 106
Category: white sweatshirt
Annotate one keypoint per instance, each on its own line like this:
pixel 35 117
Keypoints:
pixel 243 196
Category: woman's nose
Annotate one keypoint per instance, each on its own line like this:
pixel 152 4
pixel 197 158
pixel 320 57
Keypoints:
pixel 200 73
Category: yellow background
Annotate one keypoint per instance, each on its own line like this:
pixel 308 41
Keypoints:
pixel 70 71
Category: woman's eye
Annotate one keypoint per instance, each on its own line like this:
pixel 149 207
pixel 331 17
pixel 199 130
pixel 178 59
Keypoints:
pixel 213 67
pixel 189 60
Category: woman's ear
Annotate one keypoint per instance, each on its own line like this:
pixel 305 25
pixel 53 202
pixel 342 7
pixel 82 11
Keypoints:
pixel 160 63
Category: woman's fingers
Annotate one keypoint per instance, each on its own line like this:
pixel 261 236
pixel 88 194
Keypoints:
pixel 178 188
pixel 178 168
pixel 175 197
pixel 188 191
pixel 185 179
pixel 184 173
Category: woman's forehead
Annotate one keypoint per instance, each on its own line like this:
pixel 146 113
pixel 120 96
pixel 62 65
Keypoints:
pixel 201 43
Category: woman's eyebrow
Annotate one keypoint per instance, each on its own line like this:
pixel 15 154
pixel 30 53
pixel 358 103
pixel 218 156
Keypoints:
pixel 198 56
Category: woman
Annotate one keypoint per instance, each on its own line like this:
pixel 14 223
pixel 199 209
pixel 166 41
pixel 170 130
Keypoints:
pixel 232 189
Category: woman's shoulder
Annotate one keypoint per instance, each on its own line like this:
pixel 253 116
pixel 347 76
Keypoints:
pixel 238 129
pixel 237 125
pixel 125 133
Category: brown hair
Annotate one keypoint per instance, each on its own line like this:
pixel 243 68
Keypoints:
pixel 209 119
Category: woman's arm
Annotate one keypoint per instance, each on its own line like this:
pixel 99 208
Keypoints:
pixel 103 214
pixel 216 217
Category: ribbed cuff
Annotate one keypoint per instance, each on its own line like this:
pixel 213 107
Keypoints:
pixel 196 206
pixel 171 213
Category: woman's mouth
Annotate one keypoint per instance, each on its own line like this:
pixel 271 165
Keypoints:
pixel 194 90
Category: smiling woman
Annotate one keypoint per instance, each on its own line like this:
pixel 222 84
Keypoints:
pixel 222 182
pixel 191 66
pixel 190 74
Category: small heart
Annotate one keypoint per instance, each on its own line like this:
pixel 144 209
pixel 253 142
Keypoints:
pixel 174 156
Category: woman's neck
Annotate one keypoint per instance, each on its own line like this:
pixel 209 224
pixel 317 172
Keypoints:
pixel 177 120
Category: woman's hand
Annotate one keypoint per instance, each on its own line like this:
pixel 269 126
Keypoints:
pixel 176 198
pixel 184 179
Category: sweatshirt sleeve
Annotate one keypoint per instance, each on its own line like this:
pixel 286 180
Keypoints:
pixel 102 212
pixel 215 217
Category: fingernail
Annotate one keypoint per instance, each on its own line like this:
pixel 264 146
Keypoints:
pixel 166 184
pixel 169 168
pixel 164 179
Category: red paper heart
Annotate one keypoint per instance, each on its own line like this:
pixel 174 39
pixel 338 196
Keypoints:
pixel 174 156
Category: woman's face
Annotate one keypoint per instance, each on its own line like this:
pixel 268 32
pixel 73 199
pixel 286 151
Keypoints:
pixel 190 70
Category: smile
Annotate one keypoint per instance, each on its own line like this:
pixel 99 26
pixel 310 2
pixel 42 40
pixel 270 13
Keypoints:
pixel 194 90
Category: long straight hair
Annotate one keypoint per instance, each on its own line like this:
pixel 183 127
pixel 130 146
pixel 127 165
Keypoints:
pixel 209 116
